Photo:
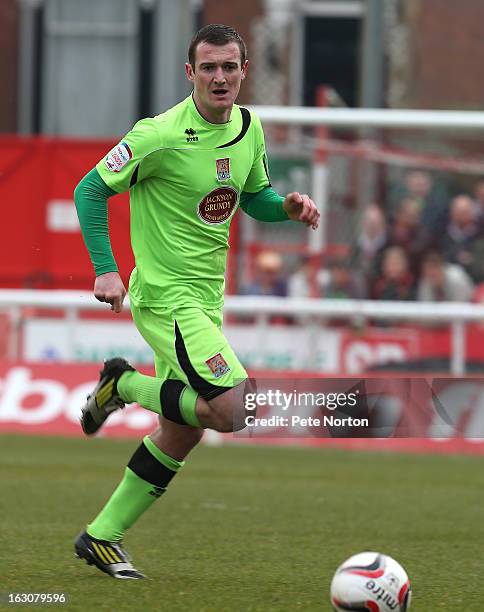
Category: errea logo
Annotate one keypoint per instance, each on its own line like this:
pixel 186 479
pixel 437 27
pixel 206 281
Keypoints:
pixel 190 132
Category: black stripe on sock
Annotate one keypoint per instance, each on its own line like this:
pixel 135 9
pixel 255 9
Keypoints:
pixel 170 400
pixel 147 467
pixel 201 386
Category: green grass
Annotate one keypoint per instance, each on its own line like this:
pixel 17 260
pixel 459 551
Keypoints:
pixel 243 529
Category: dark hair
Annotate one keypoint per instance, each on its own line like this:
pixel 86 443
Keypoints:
pixel 216 34
pixel 433 257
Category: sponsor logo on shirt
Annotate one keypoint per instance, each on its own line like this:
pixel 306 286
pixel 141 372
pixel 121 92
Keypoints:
pixel 217 365
pixel 118 157
pixel 223 169
pixel 218 205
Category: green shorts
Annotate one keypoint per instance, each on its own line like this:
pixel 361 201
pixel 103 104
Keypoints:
pixel 189 345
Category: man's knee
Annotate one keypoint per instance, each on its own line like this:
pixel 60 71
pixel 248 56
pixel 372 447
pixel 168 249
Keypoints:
pixel 173 432
pixel 229 410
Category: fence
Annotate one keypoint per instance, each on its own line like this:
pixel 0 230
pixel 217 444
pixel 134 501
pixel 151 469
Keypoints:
pixel 457 315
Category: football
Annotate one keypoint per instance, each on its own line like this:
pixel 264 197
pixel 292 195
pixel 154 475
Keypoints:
pixel 370 582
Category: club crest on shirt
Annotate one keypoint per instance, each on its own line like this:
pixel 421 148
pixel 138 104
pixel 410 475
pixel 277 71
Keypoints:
pixel 218 366
pixel 118 157
pixel 223 169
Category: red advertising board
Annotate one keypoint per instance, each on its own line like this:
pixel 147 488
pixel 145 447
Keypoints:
pixel 37 181
pixel 46 399
pixel 41 244
pixel 374 346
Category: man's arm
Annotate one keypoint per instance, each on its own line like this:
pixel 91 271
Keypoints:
pixel 90 197
pixel 261 202
pixel 117 172
pixel 267 205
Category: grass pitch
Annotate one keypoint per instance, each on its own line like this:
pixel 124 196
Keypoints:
pixel 243 528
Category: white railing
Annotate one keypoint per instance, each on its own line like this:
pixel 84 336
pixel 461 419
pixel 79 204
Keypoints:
pixel 372 117
pixel 455 314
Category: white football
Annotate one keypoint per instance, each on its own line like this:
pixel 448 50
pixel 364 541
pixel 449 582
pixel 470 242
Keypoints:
pixel 370 582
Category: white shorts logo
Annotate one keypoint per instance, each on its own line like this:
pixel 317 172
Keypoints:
pixel 118 157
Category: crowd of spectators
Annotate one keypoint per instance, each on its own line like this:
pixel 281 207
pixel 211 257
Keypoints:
pixel 423 245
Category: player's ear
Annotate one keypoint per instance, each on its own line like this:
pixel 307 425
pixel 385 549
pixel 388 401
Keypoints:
pixel 245 67
pixel 189 72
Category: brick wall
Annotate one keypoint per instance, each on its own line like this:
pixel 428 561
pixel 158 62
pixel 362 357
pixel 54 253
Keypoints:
pixel 448 54
pixel 238 14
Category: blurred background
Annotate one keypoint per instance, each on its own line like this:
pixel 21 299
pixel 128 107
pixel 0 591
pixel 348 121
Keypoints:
pixel 403 207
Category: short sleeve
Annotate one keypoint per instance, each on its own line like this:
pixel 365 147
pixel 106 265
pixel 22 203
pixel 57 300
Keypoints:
pixel 258 177
pixel 120 166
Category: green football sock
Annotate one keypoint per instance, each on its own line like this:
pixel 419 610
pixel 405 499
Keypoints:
pixel 136 387
pixel 146 391
pixel 149 472
pixel 188 407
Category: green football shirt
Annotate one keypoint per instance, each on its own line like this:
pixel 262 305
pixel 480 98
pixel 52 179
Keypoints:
pixel 185 176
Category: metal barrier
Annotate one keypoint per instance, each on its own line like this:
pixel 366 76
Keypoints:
pixel 457 315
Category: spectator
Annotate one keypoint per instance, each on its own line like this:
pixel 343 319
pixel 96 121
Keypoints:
pixel 461 232
pixel 479 199
pixel 268 278
pixel 396 281
pixel 432 199
pixel 408 232
pixel 475 268
pixel 368 247
pixel 443 282
pixel 305 281
pixel 340 282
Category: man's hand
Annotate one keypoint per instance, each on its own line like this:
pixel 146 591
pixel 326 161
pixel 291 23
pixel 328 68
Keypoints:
pixel 301 208
pixel 110 288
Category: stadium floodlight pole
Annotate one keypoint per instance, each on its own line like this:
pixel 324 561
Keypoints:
pixel 366 117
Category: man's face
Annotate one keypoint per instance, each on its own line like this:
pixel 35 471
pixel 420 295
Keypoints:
pixel 395 264
pixel 419 183
pixel 409 214
pixel 373 221
pixel 433 272
pixel 462 211
pixel 217 76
